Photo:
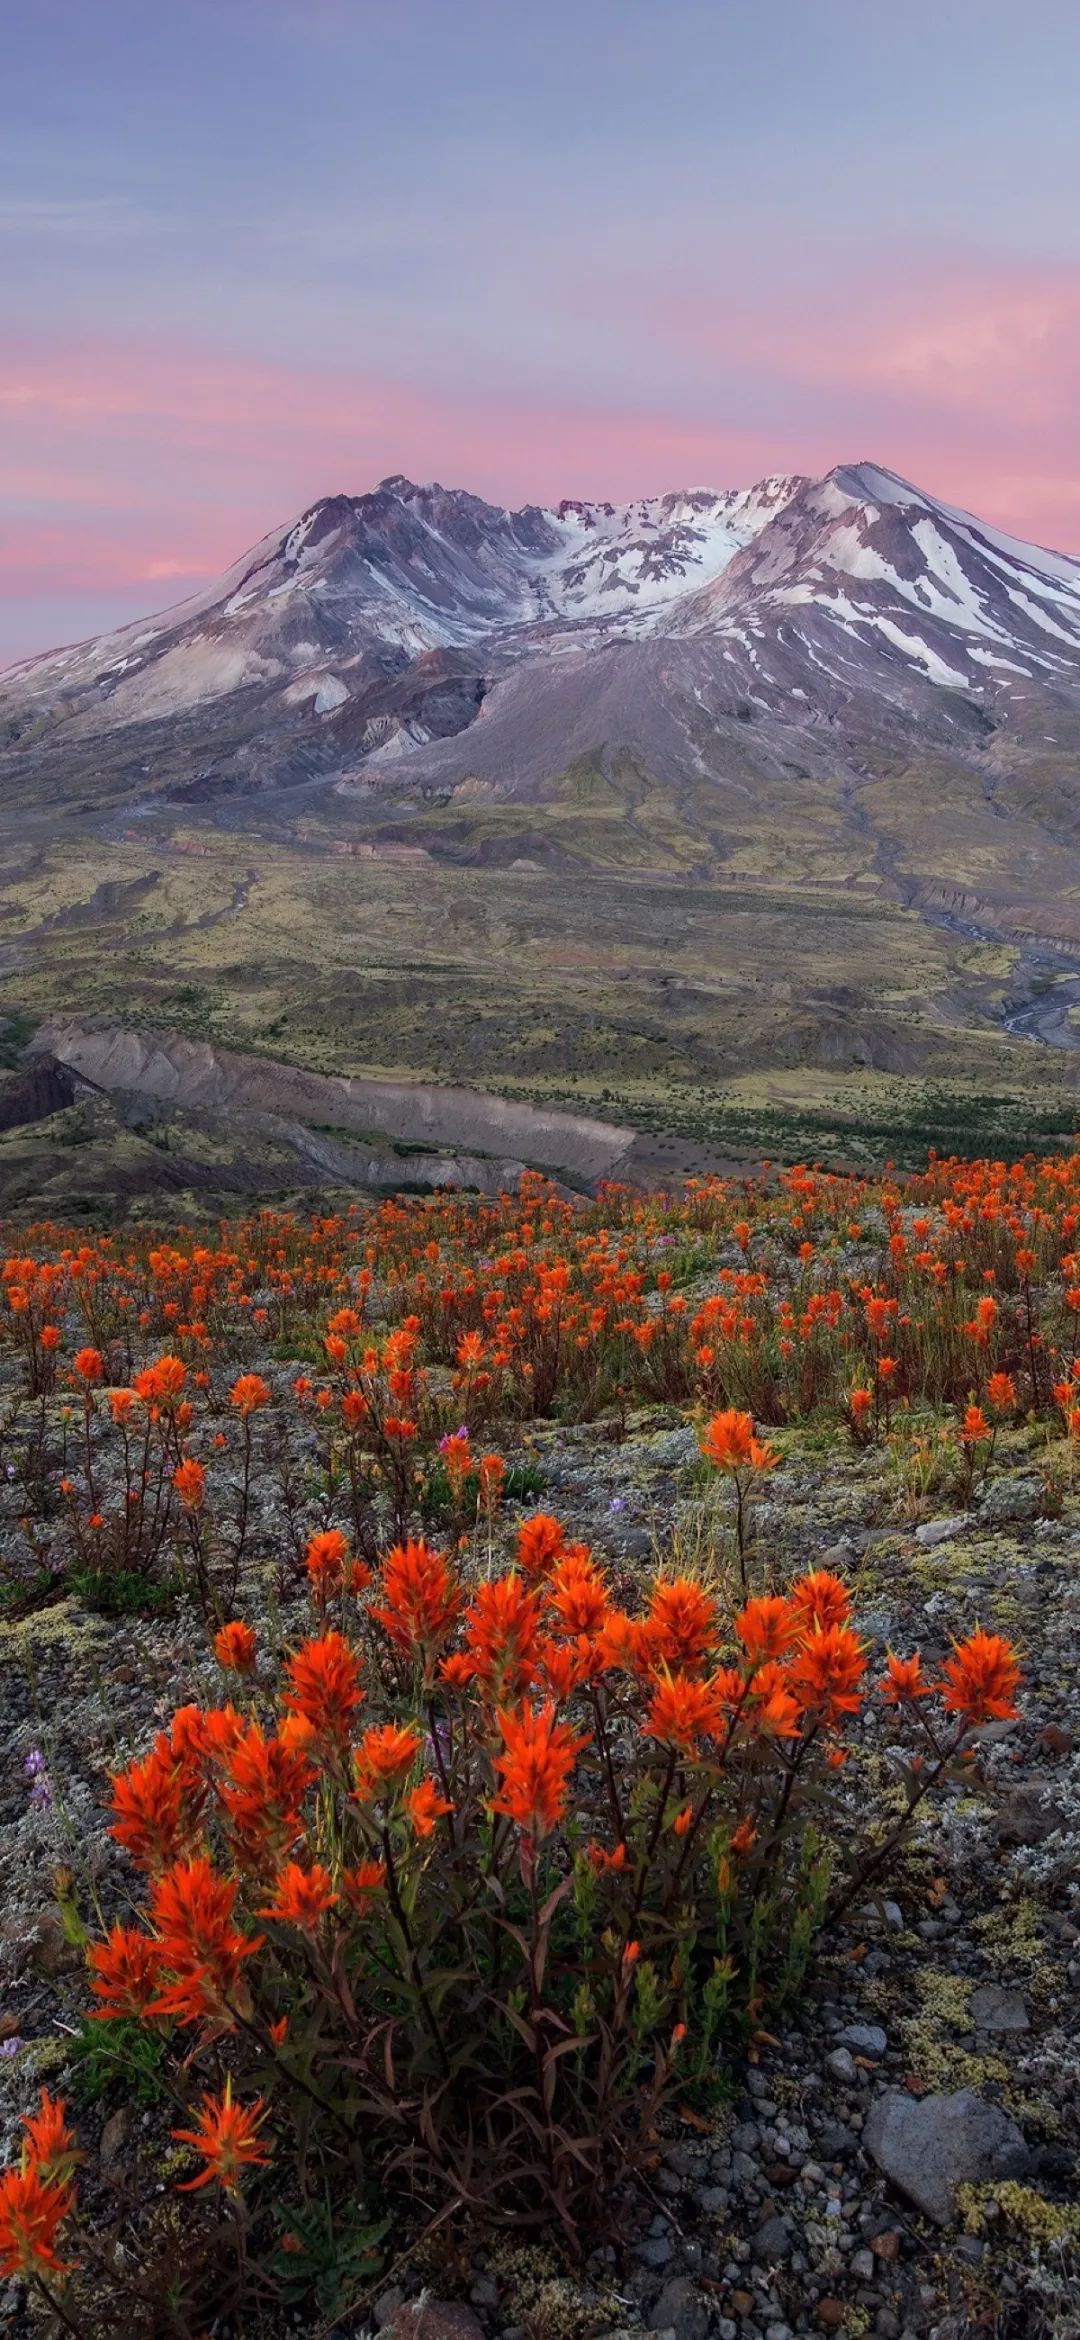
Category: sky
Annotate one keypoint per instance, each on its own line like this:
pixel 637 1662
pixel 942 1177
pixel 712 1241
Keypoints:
pixel 253 252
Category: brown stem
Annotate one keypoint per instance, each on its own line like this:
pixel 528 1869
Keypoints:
pixel 57 2306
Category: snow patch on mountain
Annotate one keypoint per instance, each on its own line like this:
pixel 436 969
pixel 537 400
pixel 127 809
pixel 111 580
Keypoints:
pixel 886 580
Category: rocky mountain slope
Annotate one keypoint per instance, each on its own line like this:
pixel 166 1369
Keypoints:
pixel 418 637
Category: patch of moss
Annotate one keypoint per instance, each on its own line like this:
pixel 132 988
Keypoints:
pixel 1026 2211
pixel 935 2056
pixel 66 1624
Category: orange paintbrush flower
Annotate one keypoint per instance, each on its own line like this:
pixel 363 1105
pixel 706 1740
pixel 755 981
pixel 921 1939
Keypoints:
pixel 541 1542
pixel 726 1440
pixel 160 1384
pixel 32 2211
pixel 324 1686
pixel 501 1637
pixel 536 1763
pixel 903 1679
pixel 234 1647
pixel 771 1709
pixel 249 1393
pixel 981 1677
pixel 89 1365
pixel 189 1480
pixel 425 1805
pixel 564 1666
pixel 125 1972
pixel 974 1426
pixel 820 1599
pixel 681 1626
pixel 683 1711
pixel 50 2144
pixel 158 1804
pixel 576 1593
pixel 301 1896
pixel 263 1786
pixel 1001 1393
pixel 421 1601
pixel 360 1885
pixel 384 1759
pixel 767 1626
pixel 730 1444
pixel 825 1674
pixel 227 2139
pixel 325 1559
pixel 201 1949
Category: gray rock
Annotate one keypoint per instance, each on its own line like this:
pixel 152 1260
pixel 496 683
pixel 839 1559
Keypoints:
pixel 673 1449
pixel 1023 1818
pixel 774 2241
pixel 864 2039
pixel 655 2251
pixel 930 2145
pixel 841 2064
pixel 1007 1499
pixel 435 2319
pixel 862 2266
pixel 941 1531
pixel 114 2137
pixel 684 2159
pixel 681 2309
pixel 993 2008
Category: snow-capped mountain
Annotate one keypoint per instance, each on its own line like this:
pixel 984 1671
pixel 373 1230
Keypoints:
pixel 419 632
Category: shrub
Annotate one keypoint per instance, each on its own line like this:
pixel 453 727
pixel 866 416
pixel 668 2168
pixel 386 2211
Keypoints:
pixel 444 1910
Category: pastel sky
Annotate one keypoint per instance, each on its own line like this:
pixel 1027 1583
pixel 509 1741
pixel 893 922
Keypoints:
pixel 257 251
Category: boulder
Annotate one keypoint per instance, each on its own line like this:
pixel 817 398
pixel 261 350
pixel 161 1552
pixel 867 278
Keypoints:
pixel 927 2146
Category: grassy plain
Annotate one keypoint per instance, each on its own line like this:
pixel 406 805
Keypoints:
pixel 771 1001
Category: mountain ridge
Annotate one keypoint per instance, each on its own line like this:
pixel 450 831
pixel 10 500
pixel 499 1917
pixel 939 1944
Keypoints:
pixel 415 636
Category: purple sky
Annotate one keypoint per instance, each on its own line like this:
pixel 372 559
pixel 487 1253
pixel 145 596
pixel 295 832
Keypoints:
pixel 257 251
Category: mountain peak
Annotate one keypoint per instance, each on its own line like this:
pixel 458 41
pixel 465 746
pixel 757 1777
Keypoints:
pixel 804 590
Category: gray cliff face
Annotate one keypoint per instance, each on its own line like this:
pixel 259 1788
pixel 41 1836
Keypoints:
pixel 415 636
pixel 196 1075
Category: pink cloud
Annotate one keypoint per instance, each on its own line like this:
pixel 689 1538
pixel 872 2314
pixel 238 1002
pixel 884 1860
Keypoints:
pixel 130 466
pixel 964 377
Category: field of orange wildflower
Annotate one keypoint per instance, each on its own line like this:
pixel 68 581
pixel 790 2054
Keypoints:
pixel 471 1849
